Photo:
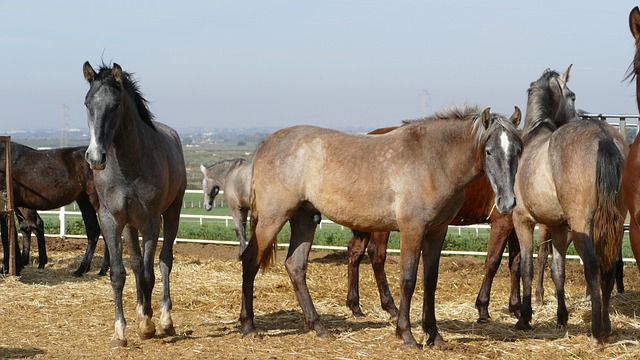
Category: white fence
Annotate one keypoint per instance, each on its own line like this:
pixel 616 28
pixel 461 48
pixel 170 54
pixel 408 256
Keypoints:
pixel 228 221
pixel 621 123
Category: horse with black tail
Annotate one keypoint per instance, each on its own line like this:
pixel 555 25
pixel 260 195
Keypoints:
pixel 569 178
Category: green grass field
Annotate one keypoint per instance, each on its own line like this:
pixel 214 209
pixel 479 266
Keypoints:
pixel 458 239
pixel 209 152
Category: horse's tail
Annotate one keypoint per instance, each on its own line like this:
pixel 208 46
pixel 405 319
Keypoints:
pixel 608 222
pixel 252 246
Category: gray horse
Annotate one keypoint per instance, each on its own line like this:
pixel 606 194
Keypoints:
pixel 140 178
pixel 233 177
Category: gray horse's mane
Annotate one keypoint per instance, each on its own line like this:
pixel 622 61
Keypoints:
pixel 229 163
pixel 467 112
pixel 540 103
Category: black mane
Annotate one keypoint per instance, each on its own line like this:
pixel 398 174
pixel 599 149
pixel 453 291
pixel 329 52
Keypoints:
pixel 130 85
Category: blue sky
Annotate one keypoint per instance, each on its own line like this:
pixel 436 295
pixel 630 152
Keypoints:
pixel 332 63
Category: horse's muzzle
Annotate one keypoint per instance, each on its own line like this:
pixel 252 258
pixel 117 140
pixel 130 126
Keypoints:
pixel 505 204
pixel 96 162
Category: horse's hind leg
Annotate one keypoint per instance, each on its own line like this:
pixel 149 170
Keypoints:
pixel 619 273
pixel 355 252
pixel 42 246
pixel 302 230
pixel 92 227
pixel 377 251
pixel 585 248
pixel 544 247
pixel 171 218
pixel 634 236
pixel 259 248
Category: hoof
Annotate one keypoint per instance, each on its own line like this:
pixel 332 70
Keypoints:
pixel 169 330
pixel 523 325
pixel 251 335
pixel 326 335
pixel 146 329
pixel 357 313
pixel 393 314
pixel 411 345
pixel 118 343
pixel 595 344
pixel 482 320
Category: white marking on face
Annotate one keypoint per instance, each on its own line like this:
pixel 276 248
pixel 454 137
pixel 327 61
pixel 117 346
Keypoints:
pixel 504 142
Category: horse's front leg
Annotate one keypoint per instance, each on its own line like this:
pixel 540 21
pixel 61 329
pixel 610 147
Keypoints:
pixel 146 277
pixel 431 248
pixel 410 247
pixel 112 231
pixel 497 242
pixel 544 247
pixel 92 227
pixel 355 252
pixel 302 230
pixel 240 223
pixel 377 251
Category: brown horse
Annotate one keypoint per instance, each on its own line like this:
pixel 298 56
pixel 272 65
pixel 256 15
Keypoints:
pixel 50 179
pixel 477 208
pixel 630 184
pixel 423 168
pixel 569 178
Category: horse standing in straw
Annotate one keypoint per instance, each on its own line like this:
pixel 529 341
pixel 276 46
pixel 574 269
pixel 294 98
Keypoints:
pixel 630 182
pixel 423 168
pixel 569 179
pixel 233 177
pixel 140 178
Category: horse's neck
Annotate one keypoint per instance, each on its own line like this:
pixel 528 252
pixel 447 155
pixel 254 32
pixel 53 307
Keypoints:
pixel 131 144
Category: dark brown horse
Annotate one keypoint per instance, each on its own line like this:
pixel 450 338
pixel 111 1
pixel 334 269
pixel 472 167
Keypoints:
pixel 423 168
pixel 569 178
pixel 478 208
pixel 140 177
pixel 50 179
pixel 630 183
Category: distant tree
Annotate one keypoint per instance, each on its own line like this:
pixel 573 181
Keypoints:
pixel 241 143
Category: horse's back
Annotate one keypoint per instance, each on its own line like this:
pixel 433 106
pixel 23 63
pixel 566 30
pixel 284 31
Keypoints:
pixel 575 152
pixel 239 184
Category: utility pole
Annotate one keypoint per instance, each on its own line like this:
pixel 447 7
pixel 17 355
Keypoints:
pixel 64 124
pixel 426 102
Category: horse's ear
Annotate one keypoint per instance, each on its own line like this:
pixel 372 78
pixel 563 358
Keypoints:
pixel 634 23
pixel 203 169
pixel 564 77
pixel 117 73
pixel 486 117
pixel 517 115
pixel 89 73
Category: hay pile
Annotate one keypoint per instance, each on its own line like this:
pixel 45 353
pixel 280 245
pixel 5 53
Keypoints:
pixel 50 314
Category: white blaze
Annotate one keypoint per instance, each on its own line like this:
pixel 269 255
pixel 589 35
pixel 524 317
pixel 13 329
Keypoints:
pixel 504 142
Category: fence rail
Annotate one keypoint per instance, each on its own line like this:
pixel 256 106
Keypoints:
pixel 621 123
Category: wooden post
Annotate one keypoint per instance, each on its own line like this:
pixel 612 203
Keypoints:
pixel 8 213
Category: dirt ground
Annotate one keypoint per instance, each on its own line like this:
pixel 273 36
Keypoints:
pixel 50 314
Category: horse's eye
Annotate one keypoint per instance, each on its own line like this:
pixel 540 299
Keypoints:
pixel 488 152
